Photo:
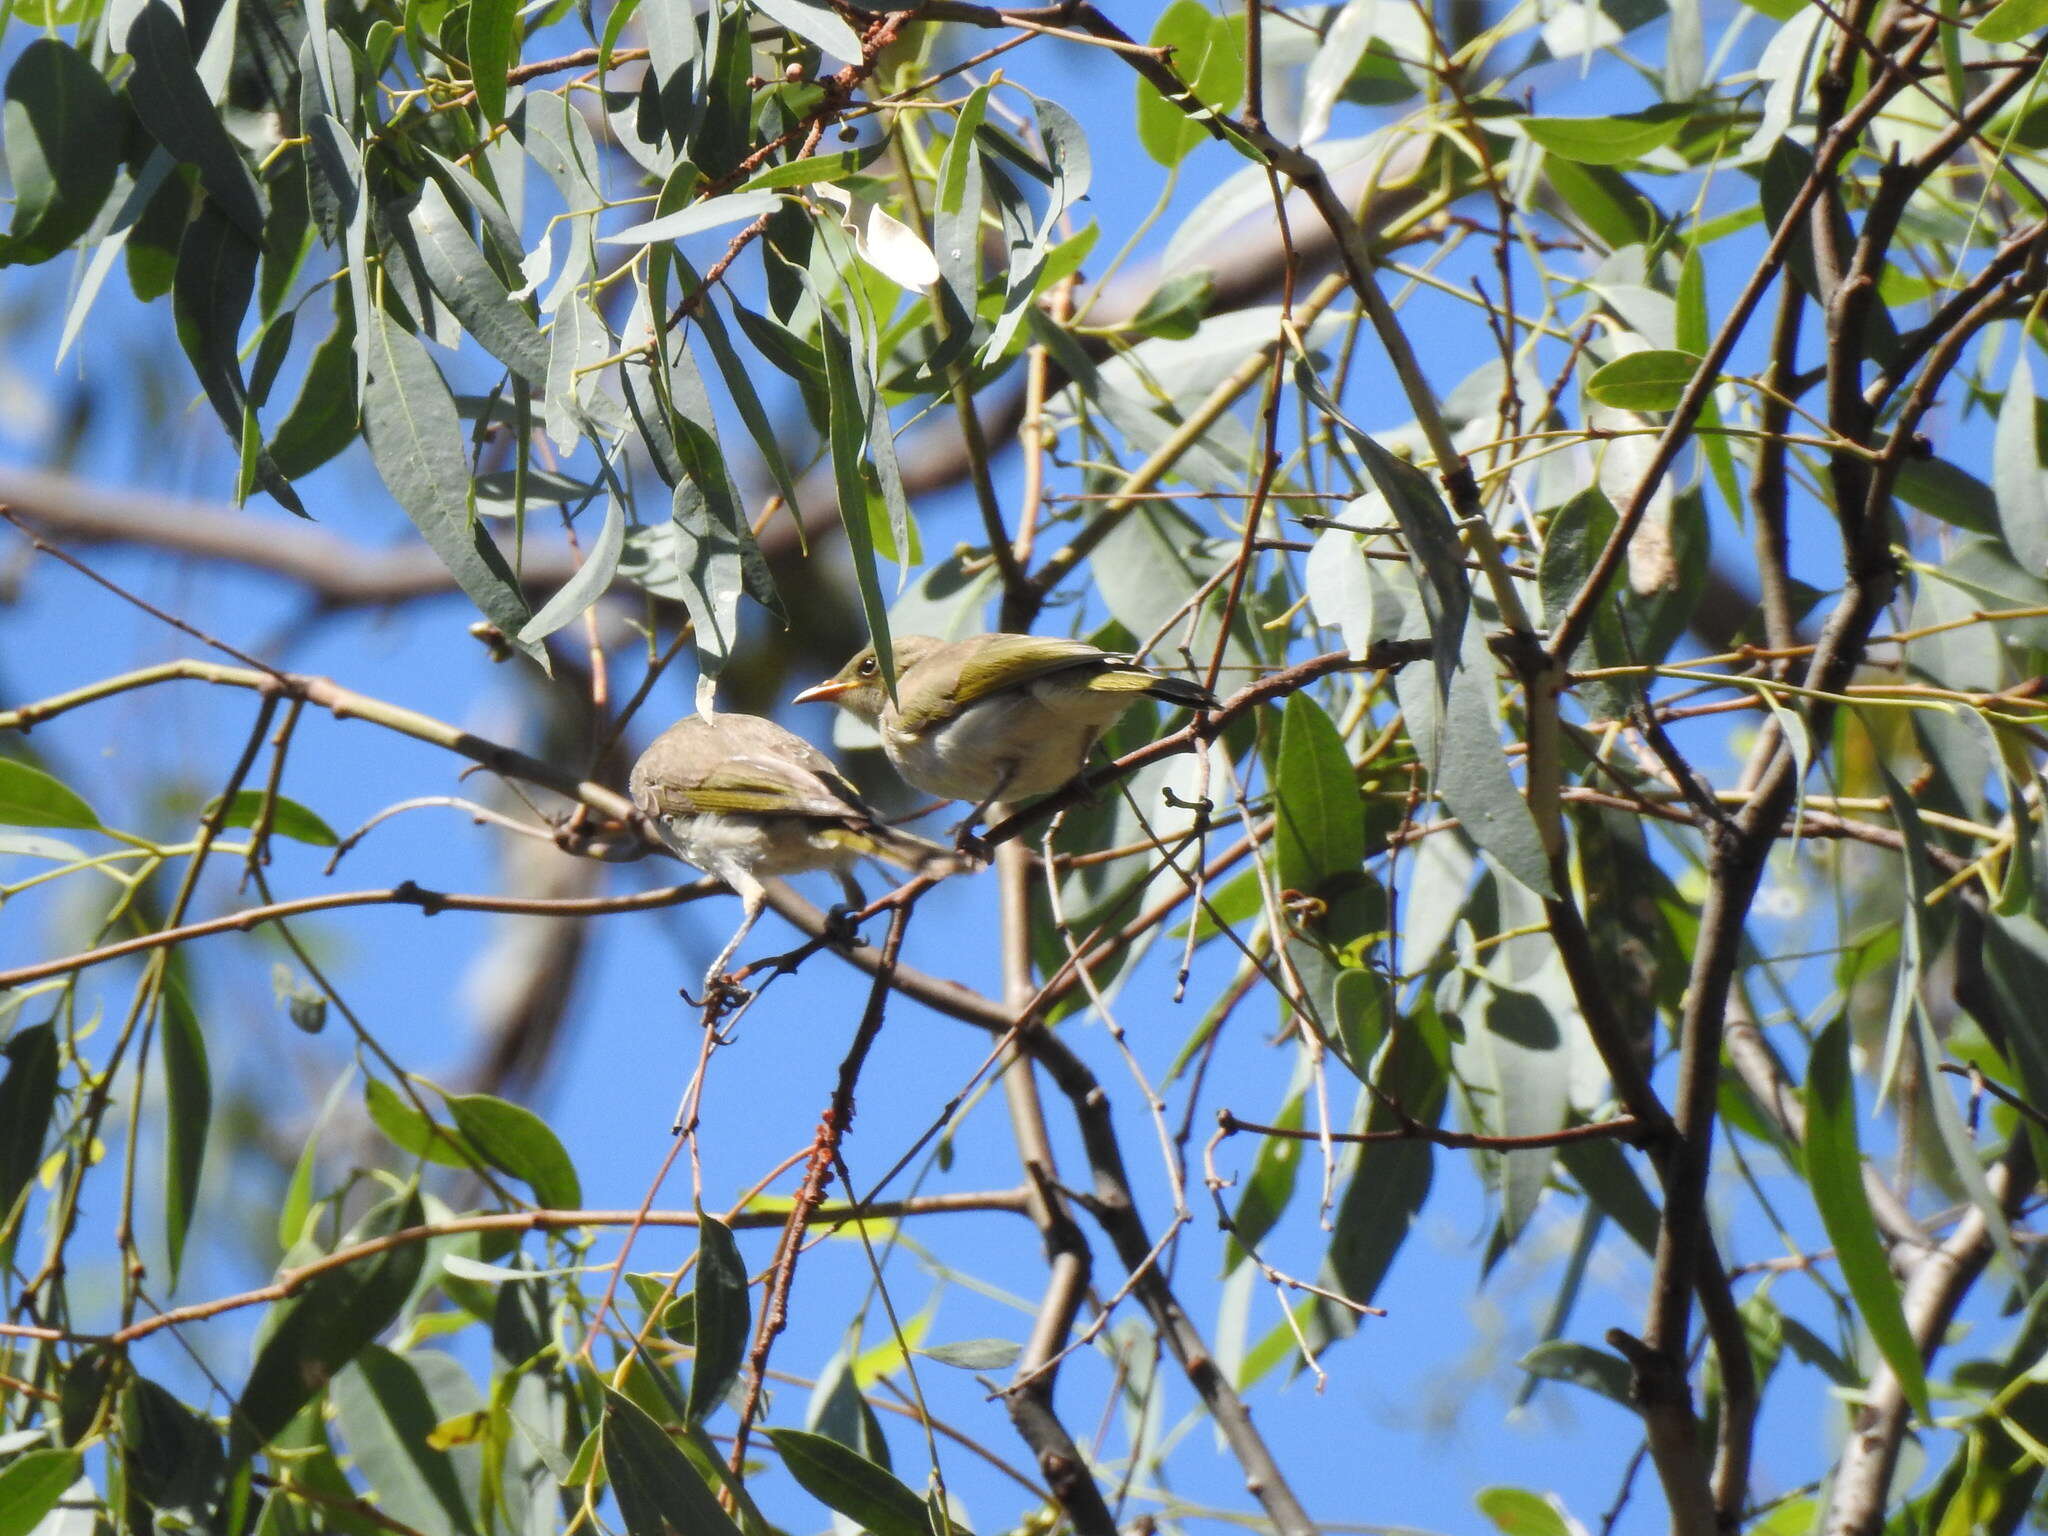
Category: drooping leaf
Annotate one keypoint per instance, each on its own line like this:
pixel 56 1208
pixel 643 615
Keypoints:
pixel 288 818
pixel 172 1457
pixel 388 1420
pixel 411 1130
pixel 210 294
pixel 493 47
pixel 722 1316
pixel 1319 821
pixel 848 438
pixel 62 143
pixel 1209 59
pixel 188 1104
pixel 473 292
pixel 28 1099
pixel 2018 475
pixel 657 1488
pixel 316 1332
pixel 1834 1172
pixel 31 1485
pixel 515 1140
pixel 592 579
pixel 415 440
pixel 323 420
pixel 175 106
pixel 844 1480
pixel 30 797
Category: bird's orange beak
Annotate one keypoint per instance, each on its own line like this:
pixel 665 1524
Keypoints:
pixel 822 693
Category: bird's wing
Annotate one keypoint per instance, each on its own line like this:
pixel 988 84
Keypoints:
pixel 996 662
pixel 755 784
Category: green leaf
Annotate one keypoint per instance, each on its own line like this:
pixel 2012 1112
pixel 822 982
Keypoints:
pixel 658 1490
pixel 1389 1181
pixel 62 139
pixel 1572 542
pixel 1176 307
pixel 288 818
pixel 1834 1171
pixel 1583 1366
pixel 2011 21
pixel 298 1193
pixel 457 271
pixel 814 23
pixel 1644 381
pixel 173 1459
pixel 210 294
pixel 1431 536
pixel 29 797
pixel 976 1354
pixel 28 1098
pixel 848 437
pixel 1209 59
pixel 589 583
pixel 1319 831
pixel 2017 474
pixel 415 439
pixel 412 1131
pixel 1609 140
pixel 1518 1512
pixel 1604 201
pixel 387 1418
pixel 816 170
pixel 176 108
pixel 722 1316
pixel 1267 1188
pixel 31 1485
pixel 515 1140
pixel 188 1112
pixel 315 1333
pixel 493 47
pixel 322 421
pixel 1943 490
pixel 844 1480
pixel 956 221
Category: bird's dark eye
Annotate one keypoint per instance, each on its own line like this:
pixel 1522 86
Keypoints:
pixel 869 667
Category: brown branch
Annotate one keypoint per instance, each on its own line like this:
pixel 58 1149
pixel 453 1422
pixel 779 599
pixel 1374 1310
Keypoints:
pixel 291 1281
pixel 1623 1128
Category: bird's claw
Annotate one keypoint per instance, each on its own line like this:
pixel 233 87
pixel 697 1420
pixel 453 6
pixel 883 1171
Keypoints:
pixel 722 995
pixel 842 929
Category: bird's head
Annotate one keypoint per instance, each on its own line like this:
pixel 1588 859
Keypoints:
pixel 857 687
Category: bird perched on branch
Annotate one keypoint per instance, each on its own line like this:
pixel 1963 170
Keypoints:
pixel 743 799
pixel 999 716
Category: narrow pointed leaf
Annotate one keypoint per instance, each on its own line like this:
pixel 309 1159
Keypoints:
pixel 722 1315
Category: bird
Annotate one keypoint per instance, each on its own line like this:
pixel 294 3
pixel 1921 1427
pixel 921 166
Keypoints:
pixel 744 799
pixel 996 716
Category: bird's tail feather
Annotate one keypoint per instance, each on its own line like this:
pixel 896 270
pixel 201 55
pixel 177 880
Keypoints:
pixel 1170 690
pixel 1178 690
pixel 905 850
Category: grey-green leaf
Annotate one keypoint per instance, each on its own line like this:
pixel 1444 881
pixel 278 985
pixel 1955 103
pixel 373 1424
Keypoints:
pixel 387 1417
pixel 515 1140
pixel 657 1488
pixel 814 23
pixel 188 1105
pixel 415 440
pixel 1319 821
pixel 723 1315
pixel 2017 473
pixel 1834 1172
pixel 62 143
pixel 844 1480
pixel 593 577
pixel 174 105
pixel 472 291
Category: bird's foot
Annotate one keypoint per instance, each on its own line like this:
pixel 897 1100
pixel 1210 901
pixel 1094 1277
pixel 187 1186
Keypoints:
pixel 972 846
pixel 842 929
pixel 722 995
